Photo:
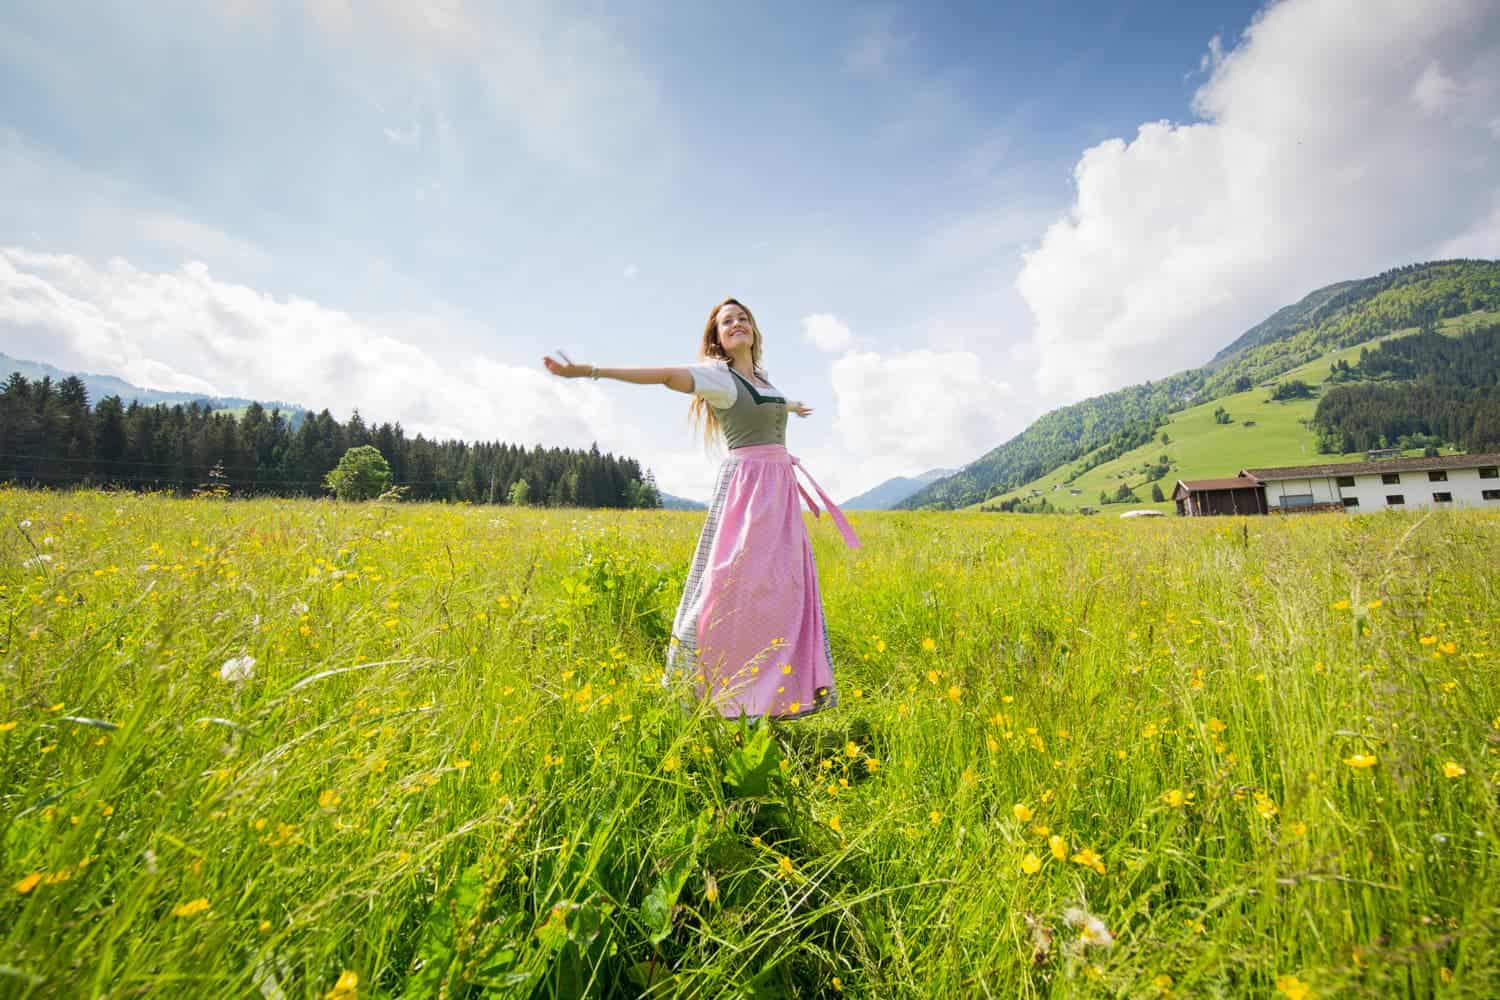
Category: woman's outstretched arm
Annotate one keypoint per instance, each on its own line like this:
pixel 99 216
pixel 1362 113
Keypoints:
pixel 679 379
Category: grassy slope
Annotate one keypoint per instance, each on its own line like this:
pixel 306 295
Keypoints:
pixel 1202 449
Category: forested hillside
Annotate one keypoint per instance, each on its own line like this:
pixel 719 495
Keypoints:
pixel 1427 385
pixel 1337 316
pixel 50 435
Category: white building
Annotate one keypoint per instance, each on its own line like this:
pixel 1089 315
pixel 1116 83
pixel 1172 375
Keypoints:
pixel 1395 484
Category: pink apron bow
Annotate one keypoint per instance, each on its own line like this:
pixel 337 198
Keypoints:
pixel 850 538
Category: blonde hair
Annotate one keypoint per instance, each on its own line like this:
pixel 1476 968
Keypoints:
pixel 699 410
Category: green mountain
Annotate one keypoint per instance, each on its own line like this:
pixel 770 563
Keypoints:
pixel 1103 429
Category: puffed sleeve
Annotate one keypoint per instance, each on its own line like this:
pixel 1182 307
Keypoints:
pixel 712 381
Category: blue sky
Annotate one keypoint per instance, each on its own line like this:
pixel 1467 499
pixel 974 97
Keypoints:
pixel 946 220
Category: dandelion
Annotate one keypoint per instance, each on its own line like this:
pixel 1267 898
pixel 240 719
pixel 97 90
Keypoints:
pixel 1292 987
pixel 1216 727
pixel 1362 760
pixel 954 692
pixel 237 669
pixel 1174 798
pixel 1022 812
pixel 1163 983
pixel 1453 769
pixel 935 817
pixel 1428 640
pixel 928 645
pixel 1031 864
pixel 191 908
pixel 1341 605
pixel 835 825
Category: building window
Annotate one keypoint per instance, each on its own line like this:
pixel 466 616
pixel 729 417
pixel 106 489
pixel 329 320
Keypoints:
pixel 1490 494
pixel 1489 472
pixel 1395 500
pixel 1346 481
pixel 1442 498
pixel 1437 476
pixel 1354 501
pixel 1390 478
pixel 1297 500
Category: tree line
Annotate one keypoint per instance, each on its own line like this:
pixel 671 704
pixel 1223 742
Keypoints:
pixel 50 435
pixel 1423 387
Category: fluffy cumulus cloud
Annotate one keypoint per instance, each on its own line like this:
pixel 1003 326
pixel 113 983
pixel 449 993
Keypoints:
pixel 185 330
pixel 1339 138
pixel 905 413
pixel 826 332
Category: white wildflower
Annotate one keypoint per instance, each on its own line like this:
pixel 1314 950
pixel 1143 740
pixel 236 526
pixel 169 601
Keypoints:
pixel 299 607
pixel 36 561
pixel 26 523
pixel 1094 931
pixel 237 669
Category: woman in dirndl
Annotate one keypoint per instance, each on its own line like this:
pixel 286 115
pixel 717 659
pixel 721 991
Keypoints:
pixel 750 629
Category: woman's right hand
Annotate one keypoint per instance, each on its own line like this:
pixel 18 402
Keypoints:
pixel 565 370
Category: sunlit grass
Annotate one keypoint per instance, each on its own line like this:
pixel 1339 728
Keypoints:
pixel 298 748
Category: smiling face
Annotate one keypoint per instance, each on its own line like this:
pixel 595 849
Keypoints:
pixel 736 331
pixel 731 332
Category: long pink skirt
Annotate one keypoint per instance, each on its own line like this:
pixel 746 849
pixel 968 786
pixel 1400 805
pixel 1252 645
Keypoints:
pixel 750 628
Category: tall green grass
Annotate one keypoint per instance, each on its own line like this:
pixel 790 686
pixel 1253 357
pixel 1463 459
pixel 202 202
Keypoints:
pixel 1071 759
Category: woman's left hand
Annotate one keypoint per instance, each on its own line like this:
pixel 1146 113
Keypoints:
pixel 799 408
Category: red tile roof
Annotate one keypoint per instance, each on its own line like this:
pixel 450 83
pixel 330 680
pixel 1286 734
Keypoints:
pixel 1238 483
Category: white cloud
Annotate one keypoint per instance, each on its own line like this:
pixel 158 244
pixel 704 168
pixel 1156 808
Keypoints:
pixel 905 413
pixel 826 332
pixel 1435 90
pixel 876 46
pixel 186 330
pixel 1320 155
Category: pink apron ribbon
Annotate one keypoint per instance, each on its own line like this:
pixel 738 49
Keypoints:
pixel 850 538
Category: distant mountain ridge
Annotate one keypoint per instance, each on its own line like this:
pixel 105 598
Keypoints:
pixel 101 386
pixel 669 502
pixel 891 492
pixel 1335 316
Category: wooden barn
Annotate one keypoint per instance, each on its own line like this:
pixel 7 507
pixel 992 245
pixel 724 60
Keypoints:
pixel 1202 497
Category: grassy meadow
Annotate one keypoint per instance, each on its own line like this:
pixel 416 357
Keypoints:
pixel 302 749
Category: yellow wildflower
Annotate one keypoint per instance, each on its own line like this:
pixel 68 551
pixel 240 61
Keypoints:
pixel 1292 987
pixel 1454 769
pixel 1031 864
pixel 28 883
pixel 191 908
pixel 928 645
pixel 1362 760
pixel 1058 846
pixel 347 988
pixel 1021 812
